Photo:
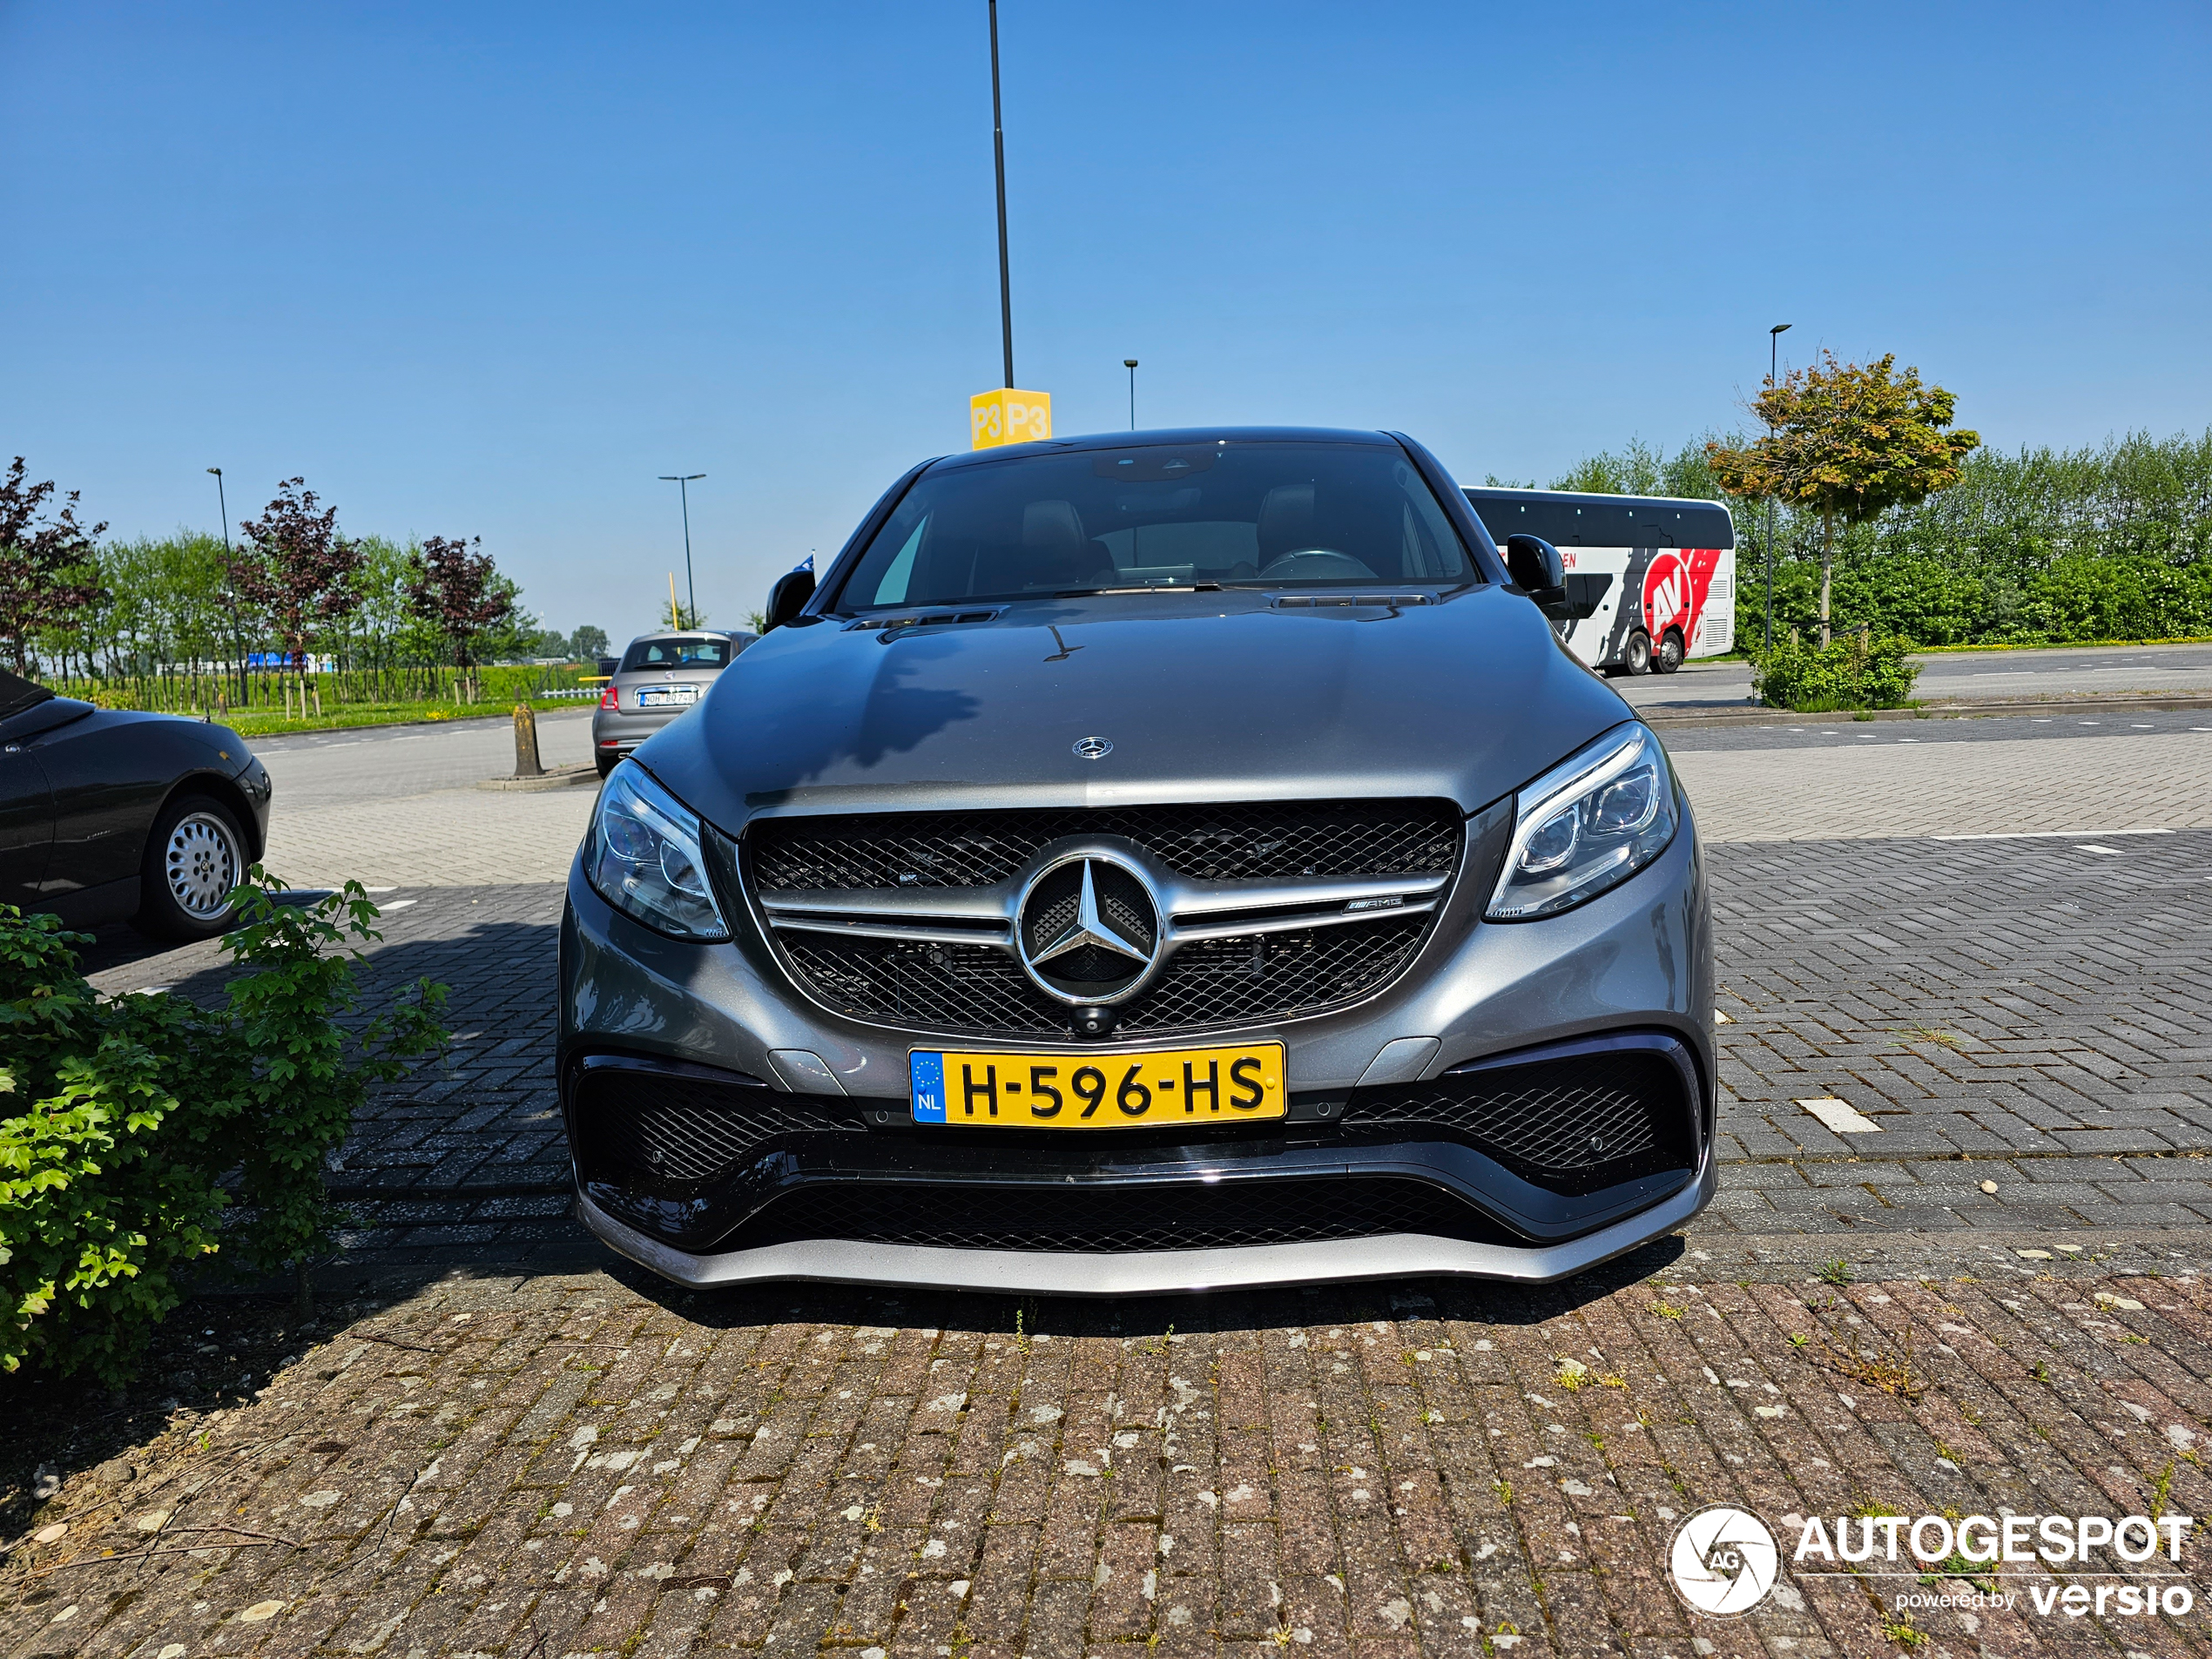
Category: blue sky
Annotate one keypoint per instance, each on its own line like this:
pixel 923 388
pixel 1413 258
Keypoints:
pixel 490 269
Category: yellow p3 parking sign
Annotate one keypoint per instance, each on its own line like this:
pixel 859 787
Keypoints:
pixel 1008 417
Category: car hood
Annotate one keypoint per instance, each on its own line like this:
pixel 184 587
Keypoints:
pixel 1231 696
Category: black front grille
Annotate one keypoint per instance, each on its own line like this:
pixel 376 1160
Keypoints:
pixel 1118 1219
pixel 1574 1124
pixel 1215 982
pixel 672 1133
pixel 1206 843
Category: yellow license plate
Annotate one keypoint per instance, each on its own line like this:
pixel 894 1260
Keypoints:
pixel 981 1090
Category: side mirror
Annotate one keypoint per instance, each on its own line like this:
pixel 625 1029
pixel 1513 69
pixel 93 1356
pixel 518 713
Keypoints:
pixel 1536 566
pixel 789 596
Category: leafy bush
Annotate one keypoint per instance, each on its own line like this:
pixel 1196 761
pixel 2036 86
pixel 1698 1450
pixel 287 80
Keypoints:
pixel 1857 672
pixel 126 1112
pixel 132 1114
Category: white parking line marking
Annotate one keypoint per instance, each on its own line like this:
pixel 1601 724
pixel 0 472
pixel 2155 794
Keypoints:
pixel 1841 1116
pixel 2046 835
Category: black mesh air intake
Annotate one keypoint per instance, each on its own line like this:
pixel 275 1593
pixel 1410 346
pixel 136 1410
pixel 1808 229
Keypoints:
pixel 974 849
pixel 679 1132
pixel 1574 1124
pixel 1118 1218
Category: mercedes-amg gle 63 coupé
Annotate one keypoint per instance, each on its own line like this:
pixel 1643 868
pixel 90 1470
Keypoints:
pixel 1144 863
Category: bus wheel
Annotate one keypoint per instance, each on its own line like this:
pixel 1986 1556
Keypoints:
pixel 1637 656
pixel 1670 653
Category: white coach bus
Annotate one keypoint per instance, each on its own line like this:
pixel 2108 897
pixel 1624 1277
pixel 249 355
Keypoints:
pixel 1650 581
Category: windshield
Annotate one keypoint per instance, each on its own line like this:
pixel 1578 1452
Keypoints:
pixel 676 653
pixel 1276 515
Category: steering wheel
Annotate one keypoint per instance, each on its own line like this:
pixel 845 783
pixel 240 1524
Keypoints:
pixel 1316 564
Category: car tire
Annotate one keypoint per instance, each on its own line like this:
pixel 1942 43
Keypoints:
pixel 195 856
pixel 1670 655
pixel 607 763
pixel 1635 657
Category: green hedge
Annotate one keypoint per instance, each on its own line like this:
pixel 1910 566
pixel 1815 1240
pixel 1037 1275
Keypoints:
pixel 132 1115
pixel 1856 671
pixel 2033 546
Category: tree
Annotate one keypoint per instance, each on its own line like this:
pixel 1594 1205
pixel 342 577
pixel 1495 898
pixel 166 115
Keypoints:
pixel 588 643
pixel 46 563
pixel 1847 441
pixel 678 617
pixel 460 594
pixel 297 568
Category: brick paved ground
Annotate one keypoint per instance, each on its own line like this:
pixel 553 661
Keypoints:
pixel 1881 789
pixel 567 1465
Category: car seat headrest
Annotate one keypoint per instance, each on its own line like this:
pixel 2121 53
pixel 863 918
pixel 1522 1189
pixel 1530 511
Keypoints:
pixel 1052 527
pixel 1285 520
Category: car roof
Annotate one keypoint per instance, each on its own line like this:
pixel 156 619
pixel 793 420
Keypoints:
pixel 691 633
pixel 1176 437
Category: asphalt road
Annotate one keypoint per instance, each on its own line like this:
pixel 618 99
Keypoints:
pixel 1963 674
pixel 388 763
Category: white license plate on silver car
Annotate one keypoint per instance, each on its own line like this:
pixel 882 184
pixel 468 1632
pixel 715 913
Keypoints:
pixel 668 697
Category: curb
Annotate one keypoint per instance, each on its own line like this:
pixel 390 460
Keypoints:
pixel 1951 709
pixel 555 777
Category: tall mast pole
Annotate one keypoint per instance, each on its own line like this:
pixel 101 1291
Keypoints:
pixel 998 151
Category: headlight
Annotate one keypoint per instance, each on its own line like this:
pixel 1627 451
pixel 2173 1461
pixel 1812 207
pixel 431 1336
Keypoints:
pixel 1588 824
pixel 644 857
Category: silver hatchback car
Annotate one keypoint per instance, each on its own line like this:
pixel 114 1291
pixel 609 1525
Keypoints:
pixel 659 677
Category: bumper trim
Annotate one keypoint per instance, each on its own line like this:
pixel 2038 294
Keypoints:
pixel 1055 1273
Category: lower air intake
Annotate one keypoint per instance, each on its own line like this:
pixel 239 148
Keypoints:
pixel 677 1133
pixel 1118 1219
pixel 1574 1124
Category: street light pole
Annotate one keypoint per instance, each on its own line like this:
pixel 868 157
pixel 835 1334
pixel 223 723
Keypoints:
pixel 1773 359
pixel 683 481
pixel 230 584
pixel 1129 363
pixel 998 155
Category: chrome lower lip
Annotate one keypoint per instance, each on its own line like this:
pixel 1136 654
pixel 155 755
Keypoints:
pixel 1252 1267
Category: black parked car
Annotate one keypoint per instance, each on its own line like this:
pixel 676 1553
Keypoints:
pixel 112 815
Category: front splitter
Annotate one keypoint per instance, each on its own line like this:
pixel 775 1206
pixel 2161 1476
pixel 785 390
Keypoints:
pixel 831 1261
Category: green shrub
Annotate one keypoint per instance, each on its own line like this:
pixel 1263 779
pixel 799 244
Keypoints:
pixel 125 1113
pixel 129 1115
pixel 1856 671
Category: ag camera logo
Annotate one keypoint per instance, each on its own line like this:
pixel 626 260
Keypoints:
pixel 1724 1561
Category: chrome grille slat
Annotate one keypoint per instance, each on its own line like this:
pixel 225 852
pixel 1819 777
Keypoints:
pixel 904 945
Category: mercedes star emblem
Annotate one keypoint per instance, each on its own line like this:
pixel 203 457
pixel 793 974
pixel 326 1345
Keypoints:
pixel 1094 748
pixel 1088 928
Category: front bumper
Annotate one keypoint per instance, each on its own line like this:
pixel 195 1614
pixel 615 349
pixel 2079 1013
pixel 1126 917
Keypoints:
pixel 1632 967
pixel 832 1261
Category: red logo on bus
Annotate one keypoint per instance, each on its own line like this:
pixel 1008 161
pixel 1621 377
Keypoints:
pixel 1675 588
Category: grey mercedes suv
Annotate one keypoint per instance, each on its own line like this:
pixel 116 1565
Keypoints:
pixel 1147 862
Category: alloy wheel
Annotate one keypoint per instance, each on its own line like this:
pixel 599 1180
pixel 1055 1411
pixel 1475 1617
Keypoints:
pixel 201 865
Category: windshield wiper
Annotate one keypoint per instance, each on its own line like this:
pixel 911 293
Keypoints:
pixel 1150 587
